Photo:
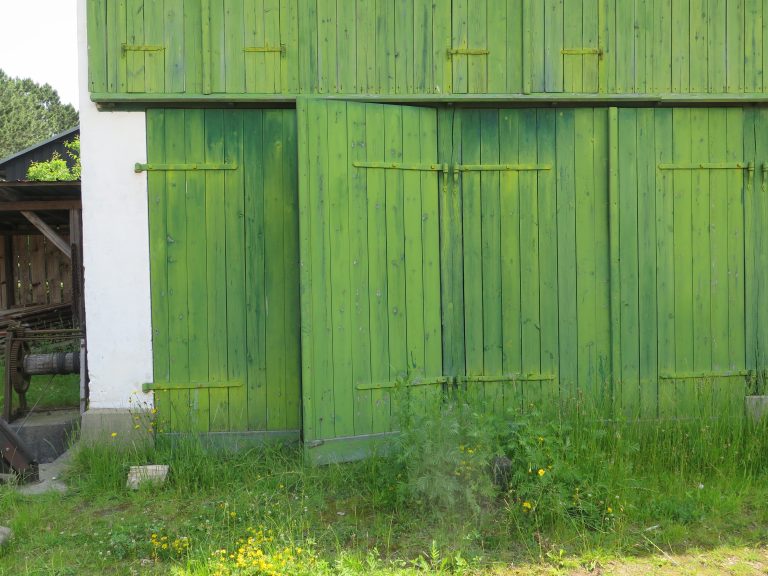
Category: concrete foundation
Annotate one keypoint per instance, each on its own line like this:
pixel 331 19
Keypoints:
pixel 115 426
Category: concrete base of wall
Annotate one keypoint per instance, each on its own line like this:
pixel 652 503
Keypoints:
pixel 46 435
pixel 118 426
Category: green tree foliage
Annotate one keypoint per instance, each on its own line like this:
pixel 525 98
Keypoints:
pixel 57 169
pixel 30 113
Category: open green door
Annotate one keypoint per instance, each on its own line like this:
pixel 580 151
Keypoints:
pixel 370 272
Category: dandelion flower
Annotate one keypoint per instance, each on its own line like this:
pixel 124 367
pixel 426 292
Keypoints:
pixel 114 434
pixel 542 471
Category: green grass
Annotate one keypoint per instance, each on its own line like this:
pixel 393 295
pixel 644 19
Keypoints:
pixel 685 497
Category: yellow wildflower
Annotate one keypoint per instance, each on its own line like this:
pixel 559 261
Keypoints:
pixel 542 471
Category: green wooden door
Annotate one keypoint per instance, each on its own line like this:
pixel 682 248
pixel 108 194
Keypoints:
pixel 370 280
pixel 687 246
pixel 223 223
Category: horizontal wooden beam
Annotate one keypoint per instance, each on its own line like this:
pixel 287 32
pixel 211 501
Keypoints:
pixel 543 99
pixel 150 386
pixel 49 233
pixel 40 206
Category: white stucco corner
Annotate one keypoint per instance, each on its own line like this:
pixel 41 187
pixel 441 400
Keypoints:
pixel 115 247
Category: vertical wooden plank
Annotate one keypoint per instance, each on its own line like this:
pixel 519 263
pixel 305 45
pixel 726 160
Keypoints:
pixel 759 123
pixel 572 38
pixel 753 49
pixel 341 301
pixel 306 294
pixel 135 35
pixel 96 19
pixel 514 67
pixel 290 79
pixel 590 34
pixel 716 47
pixel 274 269
pixel 326 46
pixel 116 37
pixel 359 283
pixel 646 227
pixel 414 254
pixel 405 43
pixel 553 44
pixel 500 34
pixel 584 259
pixel 37 269
pixel 346 50
pixel 271 71
pixel 700 237
pixel 567 243
pixel 473 263
pixel 442 31
pixel 396 280
pixel 421 31
pixel 662 46
pixel 477 39
pixel 193 47
pixel 255 63
pixel 613 247
pixel 735 45
pixel 459 39
pixel 451 245
pixel 378 290
pixel 547 188
pixel 206 65
pixel 197 270
pixel 178 308
pixel 218 33
pixel 291 279
pixel 681 43
pixel 665 259
pixel 365 34
pixel 609 44
pixel 430 234
pixel 385 52
pixel 217 271
pixel 683 248
pixel 235 242
pixel 602 234
pixel 750 235
pixel 629 391
pixel 699 46
pixel 626 36
pixel 255 153
pixel 234 42
pixel 490 208
pixel 718 241
pixel 174 46
pixel 530 250
pixel 510 257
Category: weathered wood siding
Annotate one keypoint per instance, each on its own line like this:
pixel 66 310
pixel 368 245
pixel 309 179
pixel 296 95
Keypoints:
pixel 224 264
pixel 604 258
pixel 389 47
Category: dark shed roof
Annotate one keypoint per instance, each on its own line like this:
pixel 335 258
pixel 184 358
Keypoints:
pixel 15 167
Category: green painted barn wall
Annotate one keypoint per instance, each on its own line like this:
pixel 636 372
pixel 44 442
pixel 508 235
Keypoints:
pixel 224 269
pixel 538 258
pixel 199 47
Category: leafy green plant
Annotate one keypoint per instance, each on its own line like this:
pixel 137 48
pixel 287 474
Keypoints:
pixel 57 168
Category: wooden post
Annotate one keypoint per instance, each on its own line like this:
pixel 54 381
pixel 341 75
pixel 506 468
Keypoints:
pixel 10 276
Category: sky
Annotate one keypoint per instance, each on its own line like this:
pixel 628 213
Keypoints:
pixel 39 41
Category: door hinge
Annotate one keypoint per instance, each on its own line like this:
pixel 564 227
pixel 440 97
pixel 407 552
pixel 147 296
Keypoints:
pixel 467 52
pixel 402 166
pixel 703 375
pixel 709 166
pixel 262 49
pixel 142 48
pixel 582 52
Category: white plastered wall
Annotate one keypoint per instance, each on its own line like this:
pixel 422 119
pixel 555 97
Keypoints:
pixel 116 247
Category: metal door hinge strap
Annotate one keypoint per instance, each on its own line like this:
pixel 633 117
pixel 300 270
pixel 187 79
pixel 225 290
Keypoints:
pixel 502 167
pixel 467 52
pixel 581 51
pixel 150 386
pixel 703 375
pixel 143 48
pixel 182 167
pixel 709 166
pixel 401 166
pixel 262 49
pixel 453 380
